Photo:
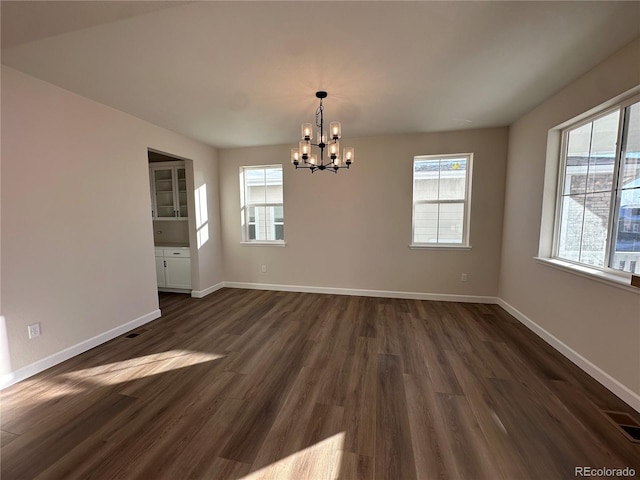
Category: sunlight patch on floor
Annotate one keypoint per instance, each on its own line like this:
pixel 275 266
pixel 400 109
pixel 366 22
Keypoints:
pixel 320 461
pixel 140 367
pixel 39 391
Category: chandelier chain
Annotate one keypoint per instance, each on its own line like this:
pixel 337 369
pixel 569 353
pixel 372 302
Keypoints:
pixel 319 115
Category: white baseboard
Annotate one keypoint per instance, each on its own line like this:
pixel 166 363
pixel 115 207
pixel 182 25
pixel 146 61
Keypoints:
pixel 624 393
pixel 174 290
pixel 439 297
pixel 207 291
pixel 59 357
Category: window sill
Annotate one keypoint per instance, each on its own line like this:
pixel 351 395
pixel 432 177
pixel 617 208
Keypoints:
pixel 424 246
pixel 619 281
pixel 261 243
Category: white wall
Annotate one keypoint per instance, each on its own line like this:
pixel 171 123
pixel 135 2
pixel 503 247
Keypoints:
pixel 599 322
pixel 77 238
pixel 353 229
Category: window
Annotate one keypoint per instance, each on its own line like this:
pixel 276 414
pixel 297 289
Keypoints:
pixel 598 207
pixel 441 191
pixel 262 213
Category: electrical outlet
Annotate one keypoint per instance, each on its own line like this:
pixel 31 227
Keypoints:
pixel 464 277
pixel 34 330
pixel 264 269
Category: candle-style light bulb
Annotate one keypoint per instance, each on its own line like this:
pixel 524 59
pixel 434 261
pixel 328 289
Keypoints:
pixel 307 131
pixel 334 150
pixel 305 150
pixel 336 130
pixel 348 155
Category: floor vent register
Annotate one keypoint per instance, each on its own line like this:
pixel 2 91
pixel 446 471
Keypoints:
pixel 627 424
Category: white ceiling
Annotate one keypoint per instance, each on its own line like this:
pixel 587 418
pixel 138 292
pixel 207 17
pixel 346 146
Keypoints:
pixel 245 73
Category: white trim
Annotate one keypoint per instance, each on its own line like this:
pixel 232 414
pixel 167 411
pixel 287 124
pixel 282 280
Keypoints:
pixel 207 291
pixel 614 386
pixel 168 163
pixel 466 201
pixel 5 361
pixel 438 297
pixel 438 246
pixel 174 290
pixel 263 243
pixel 619 281
pixel 59 357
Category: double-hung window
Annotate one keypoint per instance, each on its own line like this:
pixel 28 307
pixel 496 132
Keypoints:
pixel 441 193
pixel 598 206
pixel 262 213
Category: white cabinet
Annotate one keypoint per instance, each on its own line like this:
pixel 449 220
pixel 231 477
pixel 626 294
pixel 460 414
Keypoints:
pixel 173 268
pixel 160 268
pixel 168 191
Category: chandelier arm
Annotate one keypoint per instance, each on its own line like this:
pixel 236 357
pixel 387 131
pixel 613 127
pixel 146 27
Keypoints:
pixel 329 167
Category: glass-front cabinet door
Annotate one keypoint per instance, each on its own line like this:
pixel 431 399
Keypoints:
pixel 169 195
pixel 163 184
pixel 181 192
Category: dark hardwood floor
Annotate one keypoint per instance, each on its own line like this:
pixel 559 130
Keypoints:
pixel 258 384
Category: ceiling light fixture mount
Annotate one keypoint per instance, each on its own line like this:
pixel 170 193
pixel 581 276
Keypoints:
pixel 302 157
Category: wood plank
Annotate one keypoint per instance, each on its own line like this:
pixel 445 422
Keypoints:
pixel 355 467
pixel 433 456
pixel 434 355
pixel 7 437
pixel 219 468
pixel 360 406
pixel 18 460
pixel 533 432
pixel 473 456
pixel 166 445
pixel 393 453
pixel 286 435
pixel 264 400
pixel 506 460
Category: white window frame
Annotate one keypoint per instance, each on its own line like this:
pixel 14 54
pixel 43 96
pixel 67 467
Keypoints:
pixel 606 270
pixel 466 222
pixel 244 209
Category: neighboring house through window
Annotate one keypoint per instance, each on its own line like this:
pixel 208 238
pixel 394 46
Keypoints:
pixel 262 213
pixel 598 205
pixel 441 193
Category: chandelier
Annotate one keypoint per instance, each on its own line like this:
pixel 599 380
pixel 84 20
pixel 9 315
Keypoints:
pixel 302 157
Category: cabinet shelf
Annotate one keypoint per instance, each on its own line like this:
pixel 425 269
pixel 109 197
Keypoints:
pixel 169 192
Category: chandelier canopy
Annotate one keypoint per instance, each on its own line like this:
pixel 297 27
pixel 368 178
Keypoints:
pixel 302 157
